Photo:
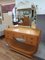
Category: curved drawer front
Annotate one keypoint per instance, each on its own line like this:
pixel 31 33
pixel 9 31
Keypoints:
pixel 18 35
pixel 8 34
pixel 32 40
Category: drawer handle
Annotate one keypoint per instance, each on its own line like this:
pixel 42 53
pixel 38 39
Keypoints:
pixel 20 39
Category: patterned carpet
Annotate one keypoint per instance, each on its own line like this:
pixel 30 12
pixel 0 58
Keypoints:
pixel 7 54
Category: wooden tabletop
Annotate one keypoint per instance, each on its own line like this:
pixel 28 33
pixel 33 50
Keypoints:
pixel 25 30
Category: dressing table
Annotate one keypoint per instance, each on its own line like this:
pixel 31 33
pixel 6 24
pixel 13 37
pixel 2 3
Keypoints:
pixel 23 40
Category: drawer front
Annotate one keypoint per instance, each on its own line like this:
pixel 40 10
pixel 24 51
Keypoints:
pixel 18 35
pixel 8 34
pixel 32 40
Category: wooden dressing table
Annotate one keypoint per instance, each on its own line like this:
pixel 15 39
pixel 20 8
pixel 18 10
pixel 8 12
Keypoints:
pixel 23 40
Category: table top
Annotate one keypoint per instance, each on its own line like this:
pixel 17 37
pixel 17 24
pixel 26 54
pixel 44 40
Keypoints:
pixel 25 30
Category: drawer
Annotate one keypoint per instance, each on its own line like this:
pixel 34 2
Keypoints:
pixel 18 35
pixel 32 40
pixel 8 34
pixel 8 40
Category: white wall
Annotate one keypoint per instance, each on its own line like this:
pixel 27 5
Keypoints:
pixel 7 19
pixel 6 22
pixel 40 5
pixel 7 16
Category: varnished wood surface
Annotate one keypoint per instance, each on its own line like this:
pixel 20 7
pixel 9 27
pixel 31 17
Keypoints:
pixel 26 21
pixel 30 37
pixel 22 29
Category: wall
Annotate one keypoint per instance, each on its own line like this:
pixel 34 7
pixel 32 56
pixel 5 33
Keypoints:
pixel 6 22
pixel 41 25
pixel 7 17
pixel 40 5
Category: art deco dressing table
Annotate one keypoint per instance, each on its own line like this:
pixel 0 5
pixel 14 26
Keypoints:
pixel 23 40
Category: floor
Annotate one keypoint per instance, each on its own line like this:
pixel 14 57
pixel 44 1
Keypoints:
pixel 41 50
pixel 7 54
